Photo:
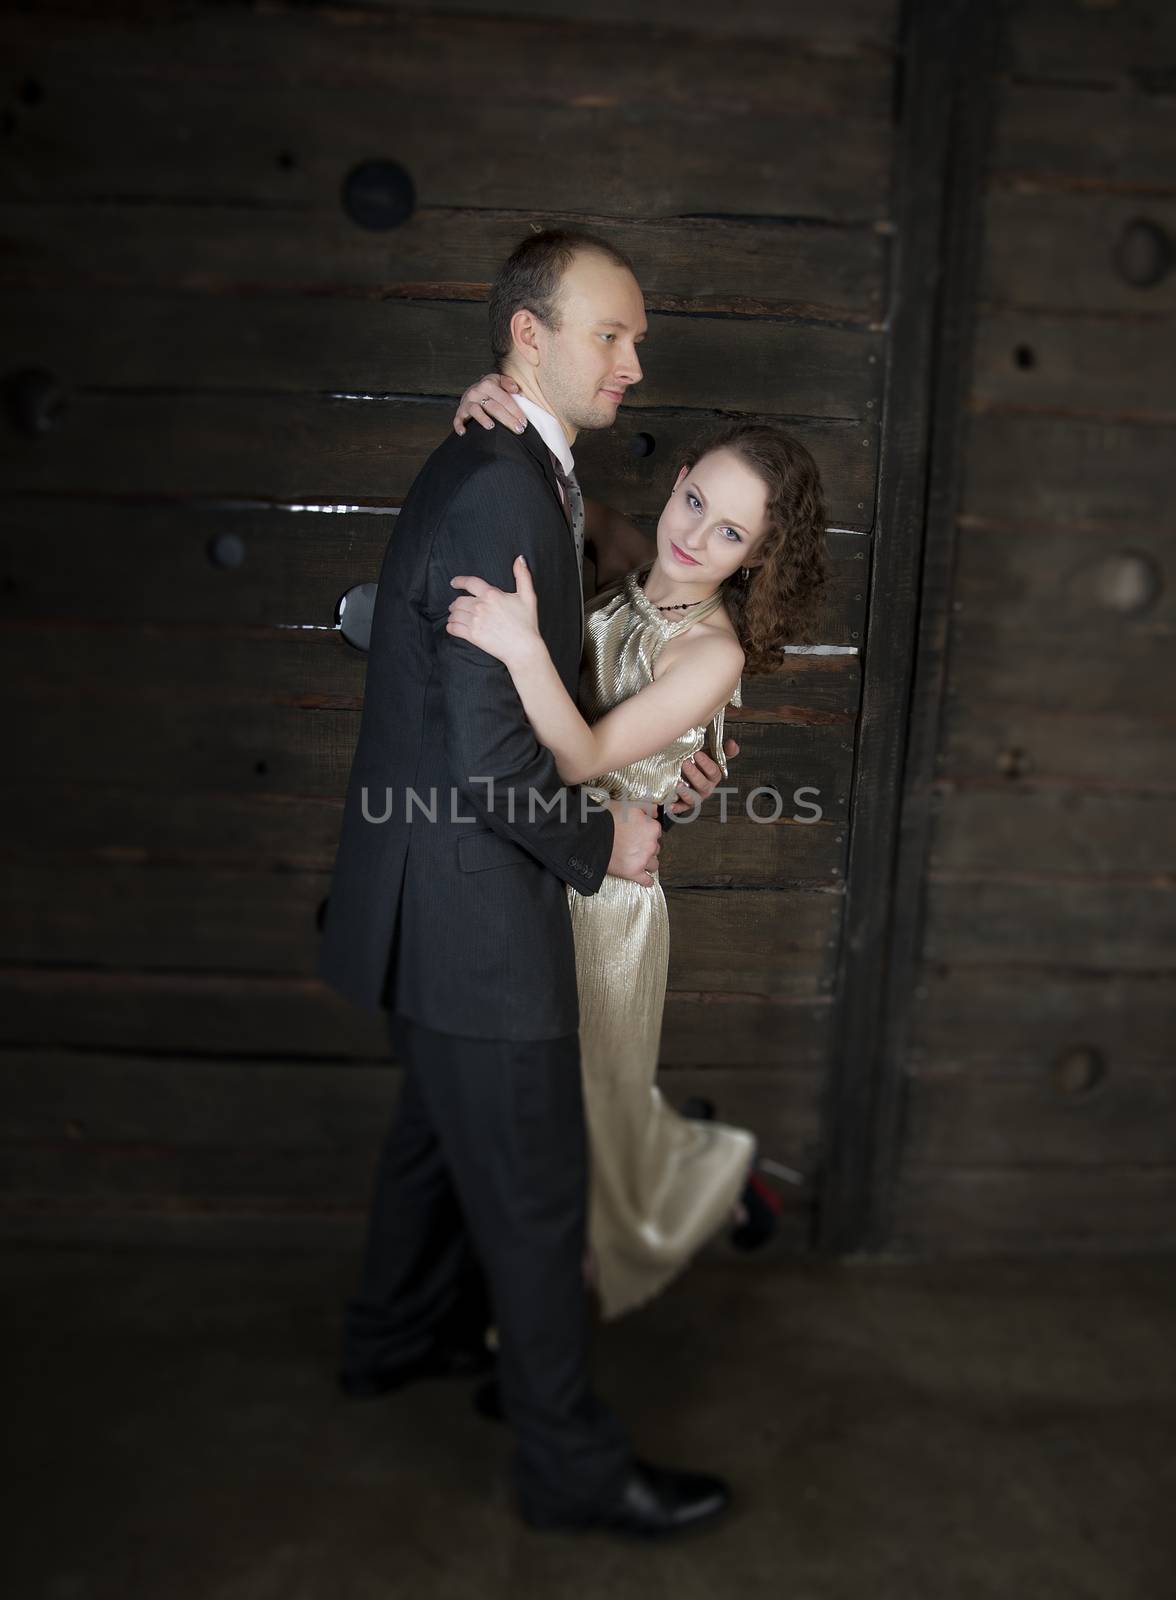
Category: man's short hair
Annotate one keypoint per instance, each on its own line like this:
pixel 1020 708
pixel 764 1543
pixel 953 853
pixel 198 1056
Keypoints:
pixel 530 279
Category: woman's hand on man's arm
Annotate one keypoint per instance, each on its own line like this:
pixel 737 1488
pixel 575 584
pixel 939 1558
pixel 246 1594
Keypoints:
pixel 700 776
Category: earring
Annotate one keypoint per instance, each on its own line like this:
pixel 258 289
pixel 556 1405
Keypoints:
pixel 746 573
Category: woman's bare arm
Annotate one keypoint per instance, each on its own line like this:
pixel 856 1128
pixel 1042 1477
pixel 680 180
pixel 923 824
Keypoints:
pixel 700 676
pixel 614 544
pixel 688 693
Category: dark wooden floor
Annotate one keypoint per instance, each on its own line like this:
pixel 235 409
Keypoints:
pixel 978 1431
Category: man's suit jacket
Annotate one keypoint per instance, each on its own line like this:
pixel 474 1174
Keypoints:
pixel 464 925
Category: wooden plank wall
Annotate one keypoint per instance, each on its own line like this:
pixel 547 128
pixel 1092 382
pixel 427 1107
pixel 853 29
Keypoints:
pixel 1040 1083
pixel 227 354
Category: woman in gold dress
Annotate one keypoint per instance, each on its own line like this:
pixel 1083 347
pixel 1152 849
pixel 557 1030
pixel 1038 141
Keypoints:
pixel 737 568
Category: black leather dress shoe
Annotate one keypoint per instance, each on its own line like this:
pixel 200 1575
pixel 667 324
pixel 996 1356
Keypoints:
pixel 449 1361
pixel 655 1503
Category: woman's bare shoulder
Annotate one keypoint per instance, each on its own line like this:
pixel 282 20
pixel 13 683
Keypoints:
pixel 711 638
pixel 717 623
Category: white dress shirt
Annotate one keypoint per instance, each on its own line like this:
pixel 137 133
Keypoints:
pixel 550 430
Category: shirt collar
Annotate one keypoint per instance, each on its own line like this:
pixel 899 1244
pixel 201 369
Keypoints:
pixel 550 430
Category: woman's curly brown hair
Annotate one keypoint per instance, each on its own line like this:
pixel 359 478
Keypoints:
pixel 779 602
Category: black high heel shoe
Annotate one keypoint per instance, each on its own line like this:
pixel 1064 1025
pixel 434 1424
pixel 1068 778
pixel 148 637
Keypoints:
pixel 763 1215
pixel 761 1203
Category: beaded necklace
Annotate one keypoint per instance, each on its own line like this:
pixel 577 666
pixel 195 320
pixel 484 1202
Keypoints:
pixel 683 606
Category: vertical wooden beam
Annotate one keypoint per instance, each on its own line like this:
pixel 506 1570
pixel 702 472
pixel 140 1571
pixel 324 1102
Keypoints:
pixel 945 74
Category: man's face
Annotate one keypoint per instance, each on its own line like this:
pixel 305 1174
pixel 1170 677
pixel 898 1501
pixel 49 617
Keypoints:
pixel 589 362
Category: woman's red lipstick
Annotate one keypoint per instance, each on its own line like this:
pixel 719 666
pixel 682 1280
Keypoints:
pixel 686 560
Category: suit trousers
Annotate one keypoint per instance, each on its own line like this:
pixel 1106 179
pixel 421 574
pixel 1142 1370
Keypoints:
pixel 482 1184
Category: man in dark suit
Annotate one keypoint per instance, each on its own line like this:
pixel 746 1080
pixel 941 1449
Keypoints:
pixel 448 908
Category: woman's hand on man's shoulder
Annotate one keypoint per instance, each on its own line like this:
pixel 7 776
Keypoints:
pixel 488 401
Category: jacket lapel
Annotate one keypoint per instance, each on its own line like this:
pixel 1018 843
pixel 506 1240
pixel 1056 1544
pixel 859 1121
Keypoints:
pixel 534 442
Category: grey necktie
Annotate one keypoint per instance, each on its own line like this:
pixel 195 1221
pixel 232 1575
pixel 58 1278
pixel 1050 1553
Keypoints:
pixel 574 507
pixel 575 501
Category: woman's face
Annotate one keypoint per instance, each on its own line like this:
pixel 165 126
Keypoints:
pixel 714 520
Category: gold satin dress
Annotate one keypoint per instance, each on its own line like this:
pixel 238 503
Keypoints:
pixel 661 1184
